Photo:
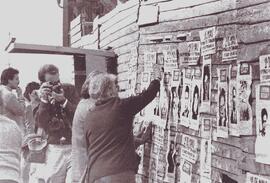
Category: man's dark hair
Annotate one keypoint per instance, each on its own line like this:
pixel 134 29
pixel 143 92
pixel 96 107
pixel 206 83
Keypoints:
pixel 29 88
pixel 48 68
pixel 8 74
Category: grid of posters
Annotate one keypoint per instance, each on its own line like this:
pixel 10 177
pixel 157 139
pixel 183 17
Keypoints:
pixel 263 123
pixel 244 80
pixel 208 42
pixel 265 68
pixel 222 111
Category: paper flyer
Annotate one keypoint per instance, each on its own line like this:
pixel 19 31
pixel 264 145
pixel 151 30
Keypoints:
pixel 205 161
pixel 170 60
pixel 264 68
pixel 150 58
pixel 194 50
pixel 189 150
pixel 222 111
pixel 230 48
pixel 206 127
pixel 244 80
pixel 208 41
pixel 206 84
pixel 233 122
pixel 186 171
pixel 262 123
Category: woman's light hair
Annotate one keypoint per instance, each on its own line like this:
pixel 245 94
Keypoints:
pixel 102 87
pixel 84 90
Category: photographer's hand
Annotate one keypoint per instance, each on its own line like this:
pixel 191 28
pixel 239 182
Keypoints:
pixel 45 92
pixel 59 97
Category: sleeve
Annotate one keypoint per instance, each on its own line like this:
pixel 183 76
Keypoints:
pixel 14 106
pixel 133 105
pixel 72 101
pixel 79 147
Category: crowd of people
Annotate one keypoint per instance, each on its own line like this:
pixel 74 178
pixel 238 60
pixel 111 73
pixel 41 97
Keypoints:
pixel 51 134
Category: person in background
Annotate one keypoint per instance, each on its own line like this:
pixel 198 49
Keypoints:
pixel 79 147
pixel 109 130
pixel 32 100
pixel 54 115
pixel 13 107
pixel 10 148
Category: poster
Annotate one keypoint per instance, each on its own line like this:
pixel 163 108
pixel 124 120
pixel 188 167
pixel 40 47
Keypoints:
pixel 208 42
pixel 233 123
pixel 206 84
pixel 230 46
pixel 205 161
pixel 194 50
pixel 206 127
pixel 262 123
pixel 265 68
pixel 186 98
pixel 244 80
pixel 186 171
pixel 195 99
pixel 150 58
pixel 171 158
pixel 163 106
pixel 189 150
pixel 222 111
pixel 252 178
pixel 175 100
pixel 170 60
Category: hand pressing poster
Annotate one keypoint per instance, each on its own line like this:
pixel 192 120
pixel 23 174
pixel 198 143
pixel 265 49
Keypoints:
pixel 206 84
pixel 244 80
pixel 233 123
pixel 186 98
pixel 265 68
pixel 205 161
pixel 195 99
pixel 189 150
pixel 230 46
pixel 222 112
pixel 263 124
pixel 186 171
pixel 208 41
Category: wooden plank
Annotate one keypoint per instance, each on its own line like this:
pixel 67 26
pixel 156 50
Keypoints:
pixel 75 22
pixel 250 52
pixel 119 26
pixel 254 14
pixel 152 15
pixel 116 20
pixel 125 49
pixel 180 4
pixel 122 41
pixel 194 23
pixel 76 37
pixel 228 165
pixel 247 3
pixel 75 30
pixel 254 33
pixel 202 10
pixel 228 151
pixel 121 33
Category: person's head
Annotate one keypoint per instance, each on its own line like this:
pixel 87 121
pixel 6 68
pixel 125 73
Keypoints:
pixel 84 90
pixel 102 87
pixel 48 73
pixel 29 89
pixel 264 115
pixel 10 78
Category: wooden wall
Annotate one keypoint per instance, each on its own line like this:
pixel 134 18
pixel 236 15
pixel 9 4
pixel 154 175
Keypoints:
pixel 233 156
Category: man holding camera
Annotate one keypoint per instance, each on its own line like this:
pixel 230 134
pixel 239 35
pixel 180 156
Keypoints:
pixel 54 116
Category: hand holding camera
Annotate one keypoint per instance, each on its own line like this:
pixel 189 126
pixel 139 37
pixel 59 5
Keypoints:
pixel 52 92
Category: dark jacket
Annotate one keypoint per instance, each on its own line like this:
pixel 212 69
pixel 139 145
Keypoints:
pixel 109 134
pixel 44 114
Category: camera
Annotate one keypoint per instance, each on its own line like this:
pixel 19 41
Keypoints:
pixel 56 87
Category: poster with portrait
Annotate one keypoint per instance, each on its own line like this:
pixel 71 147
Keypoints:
pixel 205 161
pixel 163 106
pixel 174 109
pixel 185 171
pixel 195 99
pixel 206 126
pixel 150 58
pixel 194 50
pixel 186 98
pixel 206 84
pixel 171 159
pixel 262 123
pixel 189 150
pixel 230 46
pixel 244 80
pixel 252 178
pixel 222 111
pixel 265 68
pixel 170 60
pixel 208 41
pixel 233 123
